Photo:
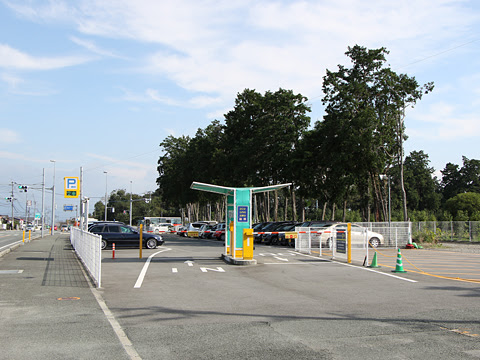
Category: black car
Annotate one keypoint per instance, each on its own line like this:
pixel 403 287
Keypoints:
pixel 279 237
pixel 281 227
pixel 124 235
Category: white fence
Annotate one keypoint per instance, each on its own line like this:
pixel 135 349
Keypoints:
pixel 88 248
pixel 448 230
pixel 395 234
pixel 314 239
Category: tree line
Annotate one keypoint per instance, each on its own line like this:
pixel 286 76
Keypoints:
pixel 340 168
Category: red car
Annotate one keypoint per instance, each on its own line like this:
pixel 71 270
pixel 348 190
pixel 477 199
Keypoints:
pixel 219 233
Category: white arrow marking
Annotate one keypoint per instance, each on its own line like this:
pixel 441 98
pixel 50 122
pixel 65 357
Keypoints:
pixel 189 262
pixel 279 258
pixel 218 269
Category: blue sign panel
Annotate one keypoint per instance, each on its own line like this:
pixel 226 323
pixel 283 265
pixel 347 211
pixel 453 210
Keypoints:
pixel 242 214
pixel 67 207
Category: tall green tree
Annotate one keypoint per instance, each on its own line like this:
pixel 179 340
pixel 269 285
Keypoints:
pixel 420 183
pixel 456 179
pixel 363 128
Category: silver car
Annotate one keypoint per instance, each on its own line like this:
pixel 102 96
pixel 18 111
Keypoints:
pixel 359 235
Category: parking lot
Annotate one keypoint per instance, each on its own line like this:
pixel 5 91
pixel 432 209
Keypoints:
pixel 290 305
pixel 182 301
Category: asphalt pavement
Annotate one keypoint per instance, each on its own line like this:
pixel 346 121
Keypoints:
pixel 47 309
pixel 181 301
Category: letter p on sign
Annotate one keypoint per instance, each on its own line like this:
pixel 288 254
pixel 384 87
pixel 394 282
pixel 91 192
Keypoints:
pixel 72 187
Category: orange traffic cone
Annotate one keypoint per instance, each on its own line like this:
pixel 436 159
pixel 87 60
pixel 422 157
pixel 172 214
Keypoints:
pixel 399 267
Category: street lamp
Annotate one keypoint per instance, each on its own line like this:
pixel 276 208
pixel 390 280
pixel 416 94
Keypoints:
pixel 53 198
pixel 130 203
pixel 105 195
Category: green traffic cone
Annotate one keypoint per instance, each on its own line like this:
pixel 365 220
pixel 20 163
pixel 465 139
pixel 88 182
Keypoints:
pixel 399 268
pixel 374 261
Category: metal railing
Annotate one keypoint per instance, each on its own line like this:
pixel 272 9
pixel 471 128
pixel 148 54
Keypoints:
pixel 397 235
pixel 89 250
pixel 448 230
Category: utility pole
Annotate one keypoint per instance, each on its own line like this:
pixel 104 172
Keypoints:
pixel 43 202
pixel 130 203
pixel 13 219
pixel 53 199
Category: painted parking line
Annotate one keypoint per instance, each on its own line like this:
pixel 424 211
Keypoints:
pixel 363 268
pixel 139 282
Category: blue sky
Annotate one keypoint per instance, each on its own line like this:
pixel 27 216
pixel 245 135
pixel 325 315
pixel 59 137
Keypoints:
pixel 99 84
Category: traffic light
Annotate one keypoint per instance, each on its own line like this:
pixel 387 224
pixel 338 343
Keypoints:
pixel 23 188
pixel 8 199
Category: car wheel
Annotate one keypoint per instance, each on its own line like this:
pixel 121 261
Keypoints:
pixel 329 243
pixel 151 244
pixel 222 237
pixel 104 244
pixel 374 242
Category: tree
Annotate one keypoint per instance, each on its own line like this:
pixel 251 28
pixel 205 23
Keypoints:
pixel 456 179
pixel 262 135
pixel 363 128
pixel 465 203
pixel 420 184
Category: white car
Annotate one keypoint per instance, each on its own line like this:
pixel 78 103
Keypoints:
pixel 358 235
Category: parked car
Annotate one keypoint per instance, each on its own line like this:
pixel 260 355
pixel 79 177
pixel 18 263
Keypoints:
pixel 358 235
pixel 104 222
pixel 281 227
pixel 30 228
pixel 205 231
pixel 193 229
pixel 259 228
pixel 182 231
pixel 124 235
pixel 268 227
pixel 220 232
pixel 286 237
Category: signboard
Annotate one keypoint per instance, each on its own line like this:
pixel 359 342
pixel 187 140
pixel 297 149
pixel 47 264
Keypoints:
pixel 38 216
pixel 72 187
pixel 242 213
pixel 67 207
pixel 341 242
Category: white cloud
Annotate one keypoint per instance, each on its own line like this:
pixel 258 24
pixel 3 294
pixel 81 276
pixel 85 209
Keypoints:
pixel 8 137
pixel 443 121
pixel 11 58
pixel 91 46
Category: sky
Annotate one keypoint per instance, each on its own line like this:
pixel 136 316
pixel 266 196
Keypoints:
pixel 99 84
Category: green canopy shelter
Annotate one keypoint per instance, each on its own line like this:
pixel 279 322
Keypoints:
pixel 238 212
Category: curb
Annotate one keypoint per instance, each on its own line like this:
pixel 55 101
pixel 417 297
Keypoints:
pixel 230 260
pixel 11 248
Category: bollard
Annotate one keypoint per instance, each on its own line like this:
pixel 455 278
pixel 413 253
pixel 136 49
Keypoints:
pixel 113 251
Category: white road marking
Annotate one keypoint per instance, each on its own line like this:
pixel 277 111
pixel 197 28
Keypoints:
pixel 174 270
pixel 122 337
pixel 10 245
pixel 363 268
pixel 218 269
pixel 139 282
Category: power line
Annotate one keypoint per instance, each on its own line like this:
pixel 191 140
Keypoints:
pixel 439 53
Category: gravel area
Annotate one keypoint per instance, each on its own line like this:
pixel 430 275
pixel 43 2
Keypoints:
pixel 466 247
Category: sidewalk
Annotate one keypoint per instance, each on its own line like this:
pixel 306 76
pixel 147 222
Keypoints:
pixel 47 309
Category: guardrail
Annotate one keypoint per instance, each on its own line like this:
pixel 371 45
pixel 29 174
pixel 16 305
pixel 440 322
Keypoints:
pixel 89 250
